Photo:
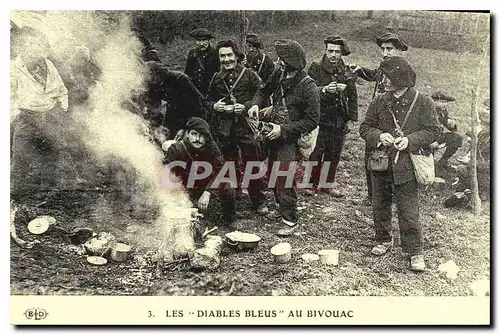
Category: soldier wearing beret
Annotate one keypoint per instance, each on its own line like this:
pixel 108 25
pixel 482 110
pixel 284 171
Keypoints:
pixel 390 44
pixel 339 109
pixel 450 138
pixel 202 61
pixel 420 129
pixel 296 105
pixel 257 60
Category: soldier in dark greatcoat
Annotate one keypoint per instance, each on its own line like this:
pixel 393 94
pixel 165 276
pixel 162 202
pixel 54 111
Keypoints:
pixel 202 61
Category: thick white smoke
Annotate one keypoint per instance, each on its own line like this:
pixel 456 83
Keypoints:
pixel 113 134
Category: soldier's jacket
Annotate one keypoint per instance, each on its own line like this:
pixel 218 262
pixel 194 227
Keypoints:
pixel 262 64
pixel 229 124
pixel 422 128
pixel 201 66
pixel 302 102
pixel 183 151
pixel 336 108
pixel 183 99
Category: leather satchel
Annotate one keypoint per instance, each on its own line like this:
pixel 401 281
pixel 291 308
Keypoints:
pixel 378 161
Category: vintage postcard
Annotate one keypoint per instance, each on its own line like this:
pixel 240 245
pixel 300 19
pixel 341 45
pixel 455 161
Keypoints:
pixel 250 167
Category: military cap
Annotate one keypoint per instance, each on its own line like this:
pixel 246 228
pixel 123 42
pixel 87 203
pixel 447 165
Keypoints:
pixel 338 41
pixel 440 95
pixel 399 71
pixel 254 40
pixel 395 39
pixel 200 34
pixel 292 53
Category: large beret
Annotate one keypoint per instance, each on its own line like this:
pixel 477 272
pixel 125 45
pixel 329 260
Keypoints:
pixel 200 125
pixel 254 40
pixel 200 34
pixel 397 40
pixel 338 41
pixel 399 71
pixel 291 52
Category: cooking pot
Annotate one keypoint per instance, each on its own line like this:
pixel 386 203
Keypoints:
pixel 242 241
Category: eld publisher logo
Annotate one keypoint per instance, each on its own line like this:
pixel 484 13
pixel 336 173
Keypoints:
pixel 35 314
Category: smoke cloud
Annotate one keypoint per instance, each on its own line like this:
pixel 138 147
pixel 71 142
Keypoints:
pixel 103 126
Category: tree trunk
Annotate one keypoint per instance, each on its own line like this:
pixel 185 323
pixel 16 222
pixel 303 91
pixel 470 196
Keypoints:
pixel 243 30
pixel 475 199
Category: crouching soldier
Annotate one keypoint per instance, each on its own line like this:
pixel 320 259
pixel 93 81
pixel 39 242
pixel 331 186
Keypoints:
pixel 199 149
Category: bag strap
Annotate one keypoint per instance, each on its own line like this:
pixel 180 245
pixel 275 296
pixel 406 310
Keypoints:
pixel 261 64
pixel 230 91
pixel 187 151
pixel 399 128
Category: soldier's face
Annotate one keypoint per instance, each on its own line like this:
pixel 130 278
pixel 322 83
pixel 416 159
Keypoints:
pixel 388 85
pixel 196 139
pixel 389 50
pixel 252 50
pixel 333 53
pixel 202 44
pixel 227 58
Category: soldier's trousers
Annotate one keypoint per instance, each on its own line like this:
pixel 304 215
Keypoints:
pixel 284 188
pixel 250 152
pixel 453 142
pixel 328 149
pixel 37 146
pixel 226 195
pixel 368 174
pixel 406 197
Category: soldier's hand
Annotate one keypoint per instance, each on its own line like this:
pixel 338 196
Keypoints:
pixel 354 67
pixel 386 139
pixel 204 200
pixel 275 133
pixel 239 108
pixel 401 143
pixel 253 112
pixel 219 105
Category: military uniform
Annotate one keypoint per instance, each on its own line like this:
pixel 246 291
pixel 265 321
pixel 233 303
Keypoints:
pixel 232 131
pixel 183 99
pixel 201 65
pixel 421 129
pixel 299 97
pixel 336 110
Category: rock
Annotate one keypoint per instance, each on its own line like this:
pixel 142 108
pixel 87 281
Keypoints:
pixel 101 244
pixel 327 210
pixel 205 258
pixel 440 216
pixel 481 287
pixel 449 270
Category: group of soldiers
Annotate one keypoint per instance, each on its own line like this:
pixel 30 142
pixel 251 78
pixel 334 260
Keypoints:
pixel 228 106
pixel 240 89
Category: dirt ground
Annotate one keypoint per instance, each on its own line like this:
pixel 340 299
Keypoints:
pixel 54 266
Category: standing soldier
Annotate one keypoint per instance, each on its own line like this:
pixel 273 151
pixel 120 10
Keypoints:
pixel 339 109
pixel 257 60
pixel 230 96
pixel 295 112
pixel 390 44
pixel 399 122
pixel 202 61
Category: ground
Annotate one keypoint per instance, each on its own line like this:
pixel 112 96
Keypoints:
pixel 54 266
